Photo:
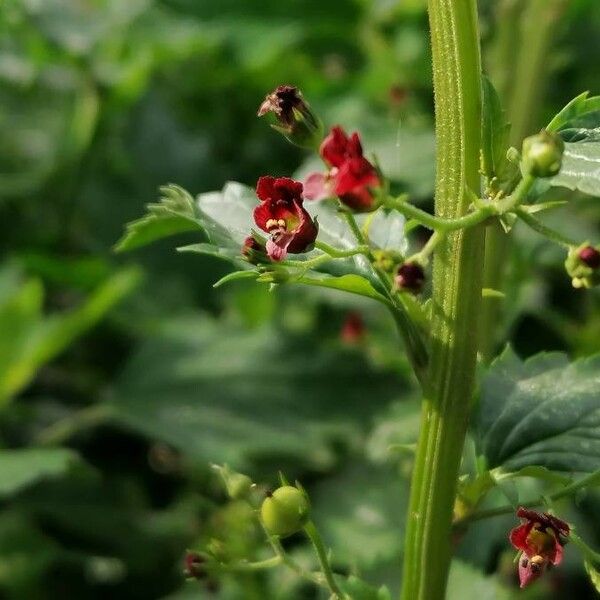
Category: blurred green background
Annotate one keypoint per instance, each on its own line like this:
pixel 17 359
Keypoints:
pixel 123 376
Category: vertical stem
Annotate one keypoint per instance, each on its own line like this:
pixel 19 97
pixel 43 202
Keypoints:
pixel 457 276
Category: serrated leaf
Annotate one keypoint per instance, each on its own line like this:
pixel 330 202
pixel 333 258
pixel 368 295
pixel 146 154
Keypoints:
pixel 579 112
pixel 467 582
pixel 24 467
pixel 495 131
pixel 174 213
pixel 541 412
pixel 580 168
pixel 234 395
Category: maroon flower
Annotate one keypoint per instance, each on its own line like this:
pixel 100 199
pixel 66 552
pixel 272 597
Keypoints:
pixel 540 538
pixel 282 215
pixel 410 276
pixel 294 116
pixel 351 176
pixel 282 101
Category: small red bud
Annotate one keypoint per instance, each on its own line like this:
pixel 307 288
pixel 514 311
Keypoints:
pixel 590 257
pixel 194 565
pixel 353 328
pixel 250 244
pixel 410 276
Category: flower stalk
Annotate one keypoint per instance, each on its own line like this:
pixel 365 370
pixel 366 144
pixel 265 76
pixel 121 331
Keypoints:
pixel 457 283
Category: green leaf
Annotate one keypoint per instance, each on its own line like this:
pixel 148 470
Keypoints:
pixel 579 112
pixel 364 525
pixel 495 131
pixel 357 589
pixel 22 468
pixel 354 284
pixel 235 275
pixel 541 412
pixel 222 394
pixel 174 213
pixel 592 570
pixel 580 168
pixel 467 582
pixel 581 134
pixel 30 339
pixel 533 471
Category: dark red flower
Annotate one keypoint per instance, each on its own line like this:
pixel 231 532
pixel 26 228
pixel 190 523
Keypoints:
pixel 337 147
pixel 410 276
pixel 540 538
pixel 295 118
pixel 353 328
pixel 351 176
pixel 283 217
pixel 282 101
pixel 590 257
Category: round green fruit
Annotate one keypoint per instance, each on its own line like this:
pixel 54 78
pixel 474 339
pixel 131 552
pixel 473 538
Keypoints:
pixel 542 154
pixel 285 511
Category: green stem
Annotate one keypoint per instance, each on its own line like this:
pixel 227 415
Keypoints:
pixel 568 490
pixel 245 566
pixel 588 552
pixel 517 197
pixel 432 222
pixel 317 542
pixel 538 226
pixel 337 253
pixel 457 275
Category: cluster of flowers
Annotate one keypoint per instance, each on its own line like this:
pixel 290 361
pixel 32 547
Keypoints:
pixel 349 176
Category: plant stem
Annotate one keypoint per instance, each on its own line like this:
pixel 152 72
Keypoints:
pixel 432 222
pixel 568 490
pixel 314 536
pixel 457 277
pixel 542 229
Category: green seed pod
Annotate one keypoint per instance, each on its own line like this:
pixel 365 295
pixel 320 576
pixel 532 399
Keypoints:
pixel 542 154
pixel 583 266
pixel 285 511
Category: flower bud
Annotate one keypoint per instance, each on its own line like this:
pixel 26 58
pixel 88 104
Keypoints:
pixel 195 565
pixel 542 154
pixel 238 485
pixel 410 277
pixel 295 119
pixel 253 251
pixel 583 266
pixel 353 329
pixel 285 511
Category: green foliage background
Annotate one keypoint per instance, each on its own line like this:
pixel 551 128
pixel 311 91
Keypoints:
pixel 123 377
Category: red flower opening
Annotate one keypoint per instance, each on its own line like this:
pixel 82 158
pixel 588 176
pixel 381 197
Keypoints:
pixel 351 176
pixel 283 217
pixel 540 538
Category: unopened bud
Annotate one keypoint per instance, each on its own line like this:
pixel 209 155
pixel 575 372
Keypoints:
pixel 583 266
pixel 195 565
pixel 295 119
pixel 542 154
pixel 410 277
pixel 253 251
pixel 238 485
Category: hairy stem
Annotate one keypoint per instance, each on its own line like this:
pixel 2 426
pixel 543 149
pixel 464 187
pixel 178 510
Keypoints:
pixel 457 276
